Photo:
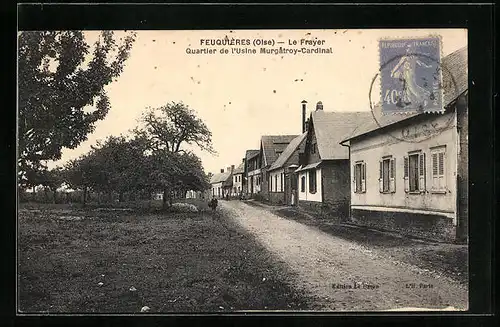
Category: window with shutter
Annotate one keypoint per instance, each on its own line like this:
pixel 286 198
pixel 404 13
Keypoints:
pixel 380 177
pixel 392 177
pixel 438 156
pixel 406 174
pixel 312 181
pixel 422 170
pixel 363 177
pixel 303 184
pixel 359 177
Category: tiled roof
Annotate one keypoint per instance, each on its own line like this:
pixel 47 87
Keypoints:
pixel 288 152
pixel 273 146
pixel 220 177
pixel 332 127
pixel 251 153
pixel 454 64
pixel 240 169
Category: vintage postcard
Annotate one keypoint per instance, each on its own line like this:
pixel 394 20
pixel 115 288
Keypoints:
pixel 229 171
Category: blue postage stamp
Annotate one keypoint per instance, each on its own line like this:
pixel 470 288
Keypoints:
pixel 410 75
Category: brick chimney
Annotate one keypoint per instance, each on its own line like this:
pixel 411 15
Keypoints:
pixel 228 169
pixel 304 107
pixel 319 106
pixel 222 170
pixel 232 168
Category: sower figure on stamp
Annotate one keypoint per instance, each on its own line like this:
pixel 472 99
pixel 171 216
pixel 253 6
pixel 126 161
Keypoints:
pixel 405 71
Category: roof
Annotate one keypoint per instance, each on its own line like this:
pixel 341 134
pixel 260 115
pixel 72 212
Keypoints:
pixel 332 127
pixel 220 177
pixel 453 63
pixel 273 146
pixel 288 152
pixel 251 153
pixel 240 169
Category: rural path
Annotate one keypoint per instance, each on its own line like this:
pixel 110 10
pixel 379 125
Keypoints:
pixel 343 275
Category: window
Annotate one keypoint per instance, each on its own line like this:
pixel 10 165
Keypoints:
pixel 312 181
pixel 359 177
pixel 303 184
pixel 281 182
pixel 387 173
pixel 270 184
pixel 414 172
pixel 438 156
pixel 313 148
pixel 276 183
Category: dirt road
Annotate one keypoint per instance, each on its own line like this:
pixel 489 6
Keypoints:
pixel 343 275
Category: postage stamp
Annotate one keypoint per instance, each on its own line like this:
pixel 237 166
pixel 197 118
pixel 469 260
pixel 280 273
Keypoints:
pixel 410 75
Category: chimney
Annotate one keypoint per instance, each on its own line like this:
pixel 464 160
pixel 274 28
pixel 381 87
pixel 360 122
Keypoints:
pixel 232 168
pixel 319 106
pixel 228 169
pixel 222 170
pixel 304 104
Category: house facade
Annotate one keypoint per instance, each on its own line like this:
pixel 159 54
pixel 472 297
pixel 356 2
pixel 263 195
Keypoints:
pixel 271 147
pixel 238 180
pixel 282 180
pixel 221 183
pixel 252 169
pixel 323 175
pixel 410 174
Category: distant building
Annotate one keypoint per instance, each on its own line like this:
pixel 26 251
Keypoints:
pixel 282 180
pixel 221 183
pixel 271 147
pixel 238 180
pixel 252 171
pixel 323 175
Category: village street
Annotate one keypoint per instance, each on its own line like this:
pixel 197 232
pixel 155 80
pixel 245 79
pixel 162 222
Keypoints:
pixel 341 274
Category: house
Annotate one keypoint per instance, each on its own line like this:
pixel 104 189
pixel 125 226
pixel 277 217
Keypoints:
pixel 271 147
pixel 221 183
pixel 323 174
pixel 238 180
pixel 252 171
pixel 282 181
pixel 410 173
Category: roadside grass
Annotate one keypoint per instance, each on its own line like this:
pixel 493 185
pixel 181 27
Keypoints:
pixel 176 261
pixel 446 259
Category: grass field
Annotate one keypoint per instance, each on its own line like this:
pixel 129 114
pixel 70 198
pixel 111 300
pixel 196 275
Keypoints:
pixel 176 262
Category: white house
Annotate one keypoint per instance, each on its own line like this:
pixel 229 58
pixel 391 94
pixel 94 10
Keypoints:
pixel 409 173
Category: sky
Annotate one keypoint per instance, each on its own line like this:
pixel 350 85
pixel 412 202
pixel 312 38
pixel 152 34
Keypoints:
pixel 241 97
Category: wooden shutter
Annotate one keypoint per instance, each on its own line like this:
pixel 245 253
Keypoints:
pixel 392 175
pixel 435 171
pixel 354 179
pixel 406 174
pixel 363 177
pixel 421 172
pixel 381 177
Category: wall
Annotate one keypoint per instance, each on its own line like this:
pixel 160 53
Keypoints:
pixel 336 187
pixel 372 149
pixel 237 184
pixel 463 169
pixel 311 157
pixel 252 180
pixel 306 196
pixel 277 194
pixel 427 226
pixel 215 190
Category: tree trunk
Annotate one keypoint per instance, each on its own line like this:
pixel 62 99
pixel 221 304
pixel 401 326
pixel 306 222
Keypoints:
pixel 55 196
pixel 34 193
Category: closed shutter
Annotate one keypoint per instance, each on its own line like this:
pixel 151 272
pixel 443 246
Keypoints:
pixel 355 173
pixel 381 177
pixel 406 174
pixel 421 172
pixel 363 177
pixel 392 175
